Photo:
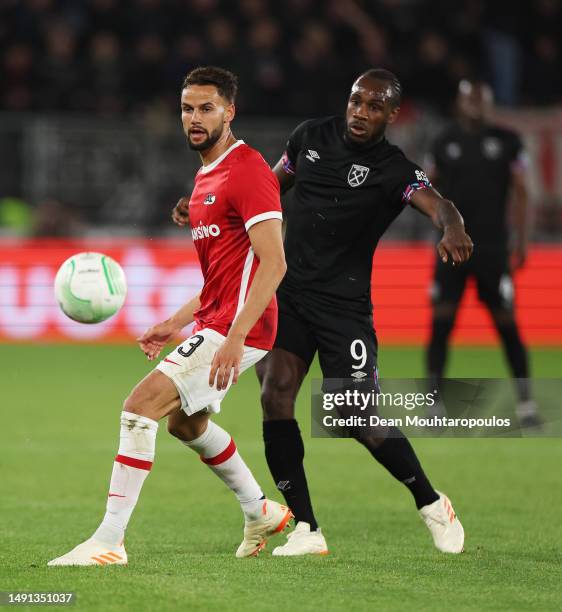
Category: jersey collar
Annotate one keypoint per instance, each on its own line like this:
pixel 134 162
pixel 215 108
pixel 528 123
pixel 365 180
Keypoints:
pixel 213 165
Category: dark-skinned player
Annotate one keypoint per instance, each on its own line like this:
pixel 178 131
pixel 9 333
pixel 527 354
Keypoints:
pixel 480 165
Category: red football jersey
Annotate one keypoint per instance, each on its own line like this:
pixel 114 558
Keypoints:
pixel 230 195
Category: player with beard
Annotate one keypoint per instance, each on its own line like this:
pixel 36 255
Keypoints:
pixel 236 215
pixel 349 185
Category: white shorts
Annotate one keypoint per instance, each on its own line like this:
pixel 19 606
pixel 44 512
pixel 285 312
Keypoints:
pixel 189 365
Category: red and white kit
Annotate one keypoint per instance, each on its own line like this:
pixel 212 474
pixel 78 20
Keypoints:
pixel 231 195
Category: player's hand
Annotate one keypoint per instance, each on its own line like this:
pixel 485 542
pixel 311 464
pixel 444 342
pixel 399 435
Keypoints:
pixel 226 359
pixel 156 337
pixel 518 256
pixel 180 214
pixel 455 245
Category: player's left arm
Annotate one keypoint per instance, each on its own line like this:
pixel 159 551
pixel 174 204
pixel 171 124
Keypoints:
pixel 455 242
pixel 520 216
pixel 267 244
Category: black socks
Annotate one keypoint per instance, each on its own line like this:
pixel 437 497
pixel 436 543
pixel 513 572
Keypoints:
pixel 284 451
pixel 398 457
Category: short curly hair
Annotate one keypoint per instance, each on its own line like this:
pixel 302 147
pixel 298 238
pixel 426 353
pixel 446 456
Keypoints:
pixel 225 81
pixel 380 74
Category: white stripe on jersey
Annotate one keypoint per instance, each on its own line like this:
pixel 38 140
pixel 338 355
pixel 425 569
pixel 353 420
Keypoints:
pixel 213 165
pixel 245 279
pixel 272 214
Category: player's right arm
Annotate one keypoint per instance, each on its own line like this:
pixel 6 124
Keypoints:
pixel 180 214
pixel 156 337
pixel 455 243
pixel 286 180
pixel 285 169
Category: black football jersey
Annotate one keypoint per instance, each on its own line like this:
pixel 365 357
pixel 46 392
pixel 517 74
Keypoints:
pixel 474 170
pixel 344 199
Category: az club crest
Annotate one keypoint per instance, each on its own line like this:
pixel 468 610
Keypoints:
pixel 357 175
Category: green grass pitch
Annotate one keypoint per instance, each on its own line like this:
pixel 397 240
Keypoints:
pixel 59 422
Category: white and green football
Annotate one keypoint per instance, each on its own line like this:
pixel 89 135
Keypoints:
pixel 90 287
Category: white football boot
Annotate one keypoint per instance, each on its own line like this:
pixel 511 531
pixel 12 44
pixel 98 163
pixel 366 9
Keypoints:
pixel 302 541
pixel 446 529
pixel 92 552
pixel 528 416
pixel 275 517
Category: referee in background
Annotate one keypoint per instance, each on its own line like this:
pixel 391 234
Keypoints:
pixel 480 166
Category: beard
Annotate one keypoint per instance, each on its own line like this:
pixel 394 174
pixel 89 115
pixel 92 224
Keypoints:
pixel 211 139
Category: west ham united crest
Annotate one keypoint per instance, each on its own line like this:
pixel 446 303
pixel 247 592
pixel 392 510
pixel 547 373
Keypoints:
pixel 357 175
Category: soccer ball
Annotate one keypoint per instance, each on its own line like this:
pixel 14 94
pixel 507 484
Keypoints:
pixel 90 287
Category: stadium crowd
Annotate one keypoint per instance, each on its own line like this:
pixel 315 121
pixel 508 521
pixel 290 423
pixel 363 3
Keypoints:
pixel 109 57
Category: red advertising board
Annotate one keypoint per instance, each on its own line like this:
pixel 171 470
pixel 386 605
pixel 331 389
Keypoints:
pixel 402 275
pixel 163 274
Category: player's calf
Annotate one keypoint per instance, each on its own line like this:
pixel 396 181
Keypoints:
pixel 187 428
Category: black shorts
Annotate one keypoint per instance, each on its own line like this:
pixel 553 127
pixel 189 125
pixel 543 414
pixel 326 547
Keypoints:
pixel 490 270
pixel 346 342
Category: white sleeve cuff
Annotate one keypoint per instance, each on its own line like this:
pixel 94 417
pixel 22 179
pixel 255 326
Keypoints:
pixel 272 214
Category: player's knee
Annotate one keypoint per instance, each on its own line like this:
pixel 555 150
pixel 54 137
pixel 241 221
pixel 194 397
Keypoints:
pixel 278 398
pixel 502 317
pixel 140 400
pixel 370 437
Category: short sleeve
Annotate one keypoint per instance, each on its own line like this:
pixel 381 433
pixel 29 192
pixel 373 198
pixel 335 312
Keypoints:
pixel 294 145
pixel 254 191
pixel 403 180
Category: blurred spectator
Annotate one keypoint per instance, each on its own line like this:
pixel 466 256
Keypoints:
pixel 544 74
pixel 112 56
pixel 18 78
pixel 53 219
pixel 317 70
pixel 431 81
pixel 189 52
pixel 146 79
pixel 263 90
pixel 251 10
pixel 105 74
pixel 149 17
pixel 60 71
pixel 372 39
pixel 504 60
pixel 223 43
pixel 104 16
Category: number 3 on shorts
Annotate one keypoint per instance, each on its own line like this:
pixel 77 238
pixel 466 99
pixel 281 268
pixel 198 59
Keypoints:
pixel 195 341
